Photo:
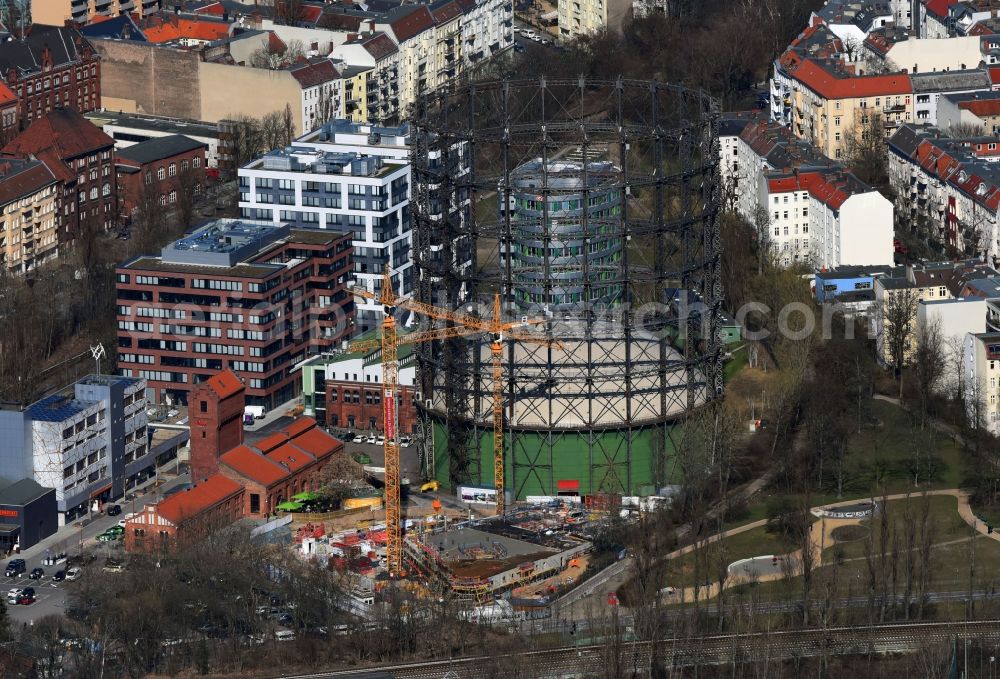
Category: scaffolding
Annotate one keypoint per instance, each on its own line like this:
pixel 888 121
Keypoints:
pixel 593 203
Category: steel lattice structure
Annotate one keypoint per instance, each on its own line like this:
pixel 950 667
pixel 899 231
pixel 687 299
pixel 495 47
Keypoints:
pixel 592 202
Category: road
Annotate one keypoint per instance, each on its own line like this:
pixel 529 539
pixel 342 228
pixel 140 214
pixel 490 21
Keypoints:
pixel 51 597
pixel 578 661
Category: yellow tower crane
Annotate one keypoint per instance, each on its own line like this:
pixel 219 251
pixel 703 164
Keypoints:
pixel 463 325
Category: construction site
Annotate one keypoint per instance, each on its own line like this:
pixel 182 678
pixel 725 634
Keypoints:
pixel 588 210
pixel 567 312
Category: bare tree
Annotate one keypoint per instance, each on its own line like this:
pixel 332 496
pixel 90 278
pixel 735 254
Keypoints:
pixel 188 186
pixel 865 151
pixel 929 365
pixel 762 232
pixel 898 313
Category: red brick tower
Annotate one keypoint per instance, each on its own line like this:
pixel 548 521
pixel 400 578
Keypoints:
pixel 215 413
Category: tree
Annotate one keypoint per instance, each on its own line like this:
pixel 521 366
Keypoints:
pixel 762 235
pixel 244 139
pixel 289 12
pixel 929 366
pixel 275 59
pixel 898 312
pixel 188 186
pixel 865 150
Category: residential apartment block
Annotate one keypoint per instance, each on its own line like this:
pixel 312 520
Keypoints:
pixel 256 297
pixel 89 442
pixel 578 18
pixel 29 215
pixel 817 213
pixel 370 61
pixel 58 12
pixel 825 103
pixel 81 157
pixel 53 67
pixel 948 189
pixel 365 196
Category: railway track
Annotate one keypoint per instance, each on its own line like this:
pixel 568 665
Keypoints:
pixel 579 661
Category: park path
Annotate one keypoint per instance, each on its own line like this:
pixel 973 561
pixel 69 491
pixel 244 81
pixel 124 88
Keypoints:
pixel 821 536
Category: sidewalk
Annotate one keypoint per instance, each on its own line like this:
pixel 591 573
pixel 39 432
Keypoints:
pixel 69 536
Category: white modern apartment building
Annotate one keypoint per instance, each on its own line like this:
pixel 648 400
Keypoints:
pixel 88 442
pixel 367 195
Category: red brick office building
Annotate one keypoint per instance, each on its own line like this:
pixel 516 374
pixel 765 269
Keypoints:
pixel 215 414
pixel 163 167
pixel 249 296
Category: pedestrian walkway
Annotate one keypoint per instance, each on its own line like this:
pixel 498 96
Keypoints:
pixel 71 537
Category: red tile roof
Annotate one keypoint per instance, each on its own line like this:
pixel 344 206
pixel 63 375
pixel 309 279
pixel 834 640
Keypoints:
pixel 994 74
pixel 299 426
pixel 982 108
pixel 269 443
pixel 175 28
pixel 940 7
pixel 7 96
pixel 446 12
pixel 380 46
pixel 63 130
pixel 412 24
pixel 282 453
pixel 19 179
pixel 829 86
pixel 275 44
pixel 188 504
pixel 254 466
pixel 291 458
pixel 311 13
pixel 318 443
pixel 225 384
pixel 311 75
pixel 831 188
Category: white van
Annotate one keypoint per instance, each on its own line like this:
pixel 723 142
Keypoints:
pixel 284 635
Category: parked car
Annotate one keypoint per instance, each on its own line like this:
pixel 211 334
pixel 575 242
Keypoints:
pixel 371 438
pixel 15 567
pixel 379 440
pixel 74 573
pixel 284 635
pixel 36 573
pixel 405 441
pixel 112 567
pixel 26 600
pixel 58 576
pixel 28 591
pixel 13 595
pixel 358 439
pixel 114 510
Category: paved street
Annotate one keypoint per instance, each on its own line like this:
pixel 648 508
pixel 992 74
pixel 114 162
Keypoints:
pixel 51 597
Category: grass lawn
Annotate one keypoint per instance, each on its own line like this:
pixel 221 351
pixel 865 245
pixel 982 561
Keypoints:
pixel 885 456
pixel 706 561
pixel 946 525
pixel 735 364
